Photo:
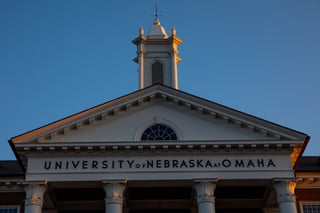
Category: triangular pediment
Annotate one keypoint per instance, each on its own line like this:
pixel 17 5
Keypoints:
pixel 193 117
pixel 119 124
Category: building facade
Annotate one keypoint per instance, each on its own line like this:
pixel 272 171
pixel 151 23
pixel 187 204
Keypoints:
pixel 158 149
pixel 308 184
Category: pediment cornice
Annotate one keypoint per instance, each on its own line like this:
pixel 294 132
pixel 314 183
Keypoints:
pixel 157 93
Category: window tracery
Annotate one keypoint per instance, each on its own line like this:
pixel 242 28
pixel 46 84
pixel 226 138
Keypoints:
pixel 159 132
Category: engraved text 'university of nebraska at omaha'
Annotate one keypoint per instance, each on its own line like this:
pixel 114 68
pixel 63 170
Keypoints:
pixel 146 164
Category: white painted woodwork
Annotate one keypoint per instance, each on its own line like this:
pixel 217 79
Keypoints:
pixel 188 125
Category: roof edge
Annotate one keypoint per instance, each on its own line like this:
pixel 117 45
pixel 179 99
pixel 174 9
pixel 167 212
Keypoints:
pixel 174 93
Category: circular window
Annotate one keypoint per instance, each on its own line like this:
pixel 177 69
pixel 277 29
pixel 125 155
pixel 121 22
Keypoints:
pixel 158 132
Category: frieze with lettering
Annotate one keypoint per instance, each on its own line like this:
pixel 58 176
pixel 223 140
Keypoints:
pixel 156 163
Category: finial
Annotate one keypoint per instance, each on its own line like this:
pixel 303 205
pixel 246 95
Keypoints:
pixel 173 31
pixel 156 11
pixel 141 31
pixel 156 16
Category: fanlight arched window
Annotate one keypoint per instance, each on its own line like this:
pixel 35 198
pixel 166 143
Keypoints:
pixel 157 73
pixel 158 132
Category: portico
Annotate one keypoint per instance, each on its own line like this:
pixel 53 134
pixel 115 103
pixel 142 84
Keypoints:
pixel 193 177
pixel 173 196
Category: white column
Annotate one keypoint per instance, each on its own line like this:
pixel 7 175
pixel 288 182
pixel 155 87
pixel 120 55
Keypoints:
pixel 174 74
pixel 34 197
pixel 140 52
pixel 205 196
pixel 141 67
pixel 114 196
pixel 285 196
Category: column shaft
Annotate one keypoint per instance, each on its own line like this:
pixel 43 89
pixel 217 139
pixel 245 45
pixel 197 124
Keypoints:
pixel 141 68
pixel 34 198
pixel 285 196
pixel 174 68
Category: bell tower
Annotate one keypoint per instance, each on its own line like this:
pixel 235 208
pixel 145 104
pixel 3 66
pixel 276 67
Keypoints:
pixel 157 56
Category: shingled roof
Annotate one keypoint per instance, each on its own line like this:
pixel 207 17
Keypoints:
pixel 309 163
pixel 10 168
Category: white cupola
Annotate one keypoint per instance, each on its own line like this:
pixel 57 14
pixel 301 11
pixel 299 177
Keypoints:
pixel 157 56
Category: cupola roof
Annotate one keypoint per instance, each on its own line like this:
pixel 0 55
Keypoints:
pixel 157 31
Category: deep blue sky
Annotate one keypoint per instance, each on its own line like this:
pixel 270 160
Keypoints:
pixel 59 57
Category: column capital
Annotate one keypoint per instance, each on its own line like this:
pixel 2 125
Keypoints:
pixel 285 190
pixel 205 190
pixel 205 195
pixel 114 191
pixel 34 192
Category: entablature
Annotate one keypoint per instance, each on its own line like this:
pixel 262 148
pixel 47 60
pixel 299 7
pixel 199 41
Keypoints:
pixel 157 147
pixel 12 185
pixel 308 181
